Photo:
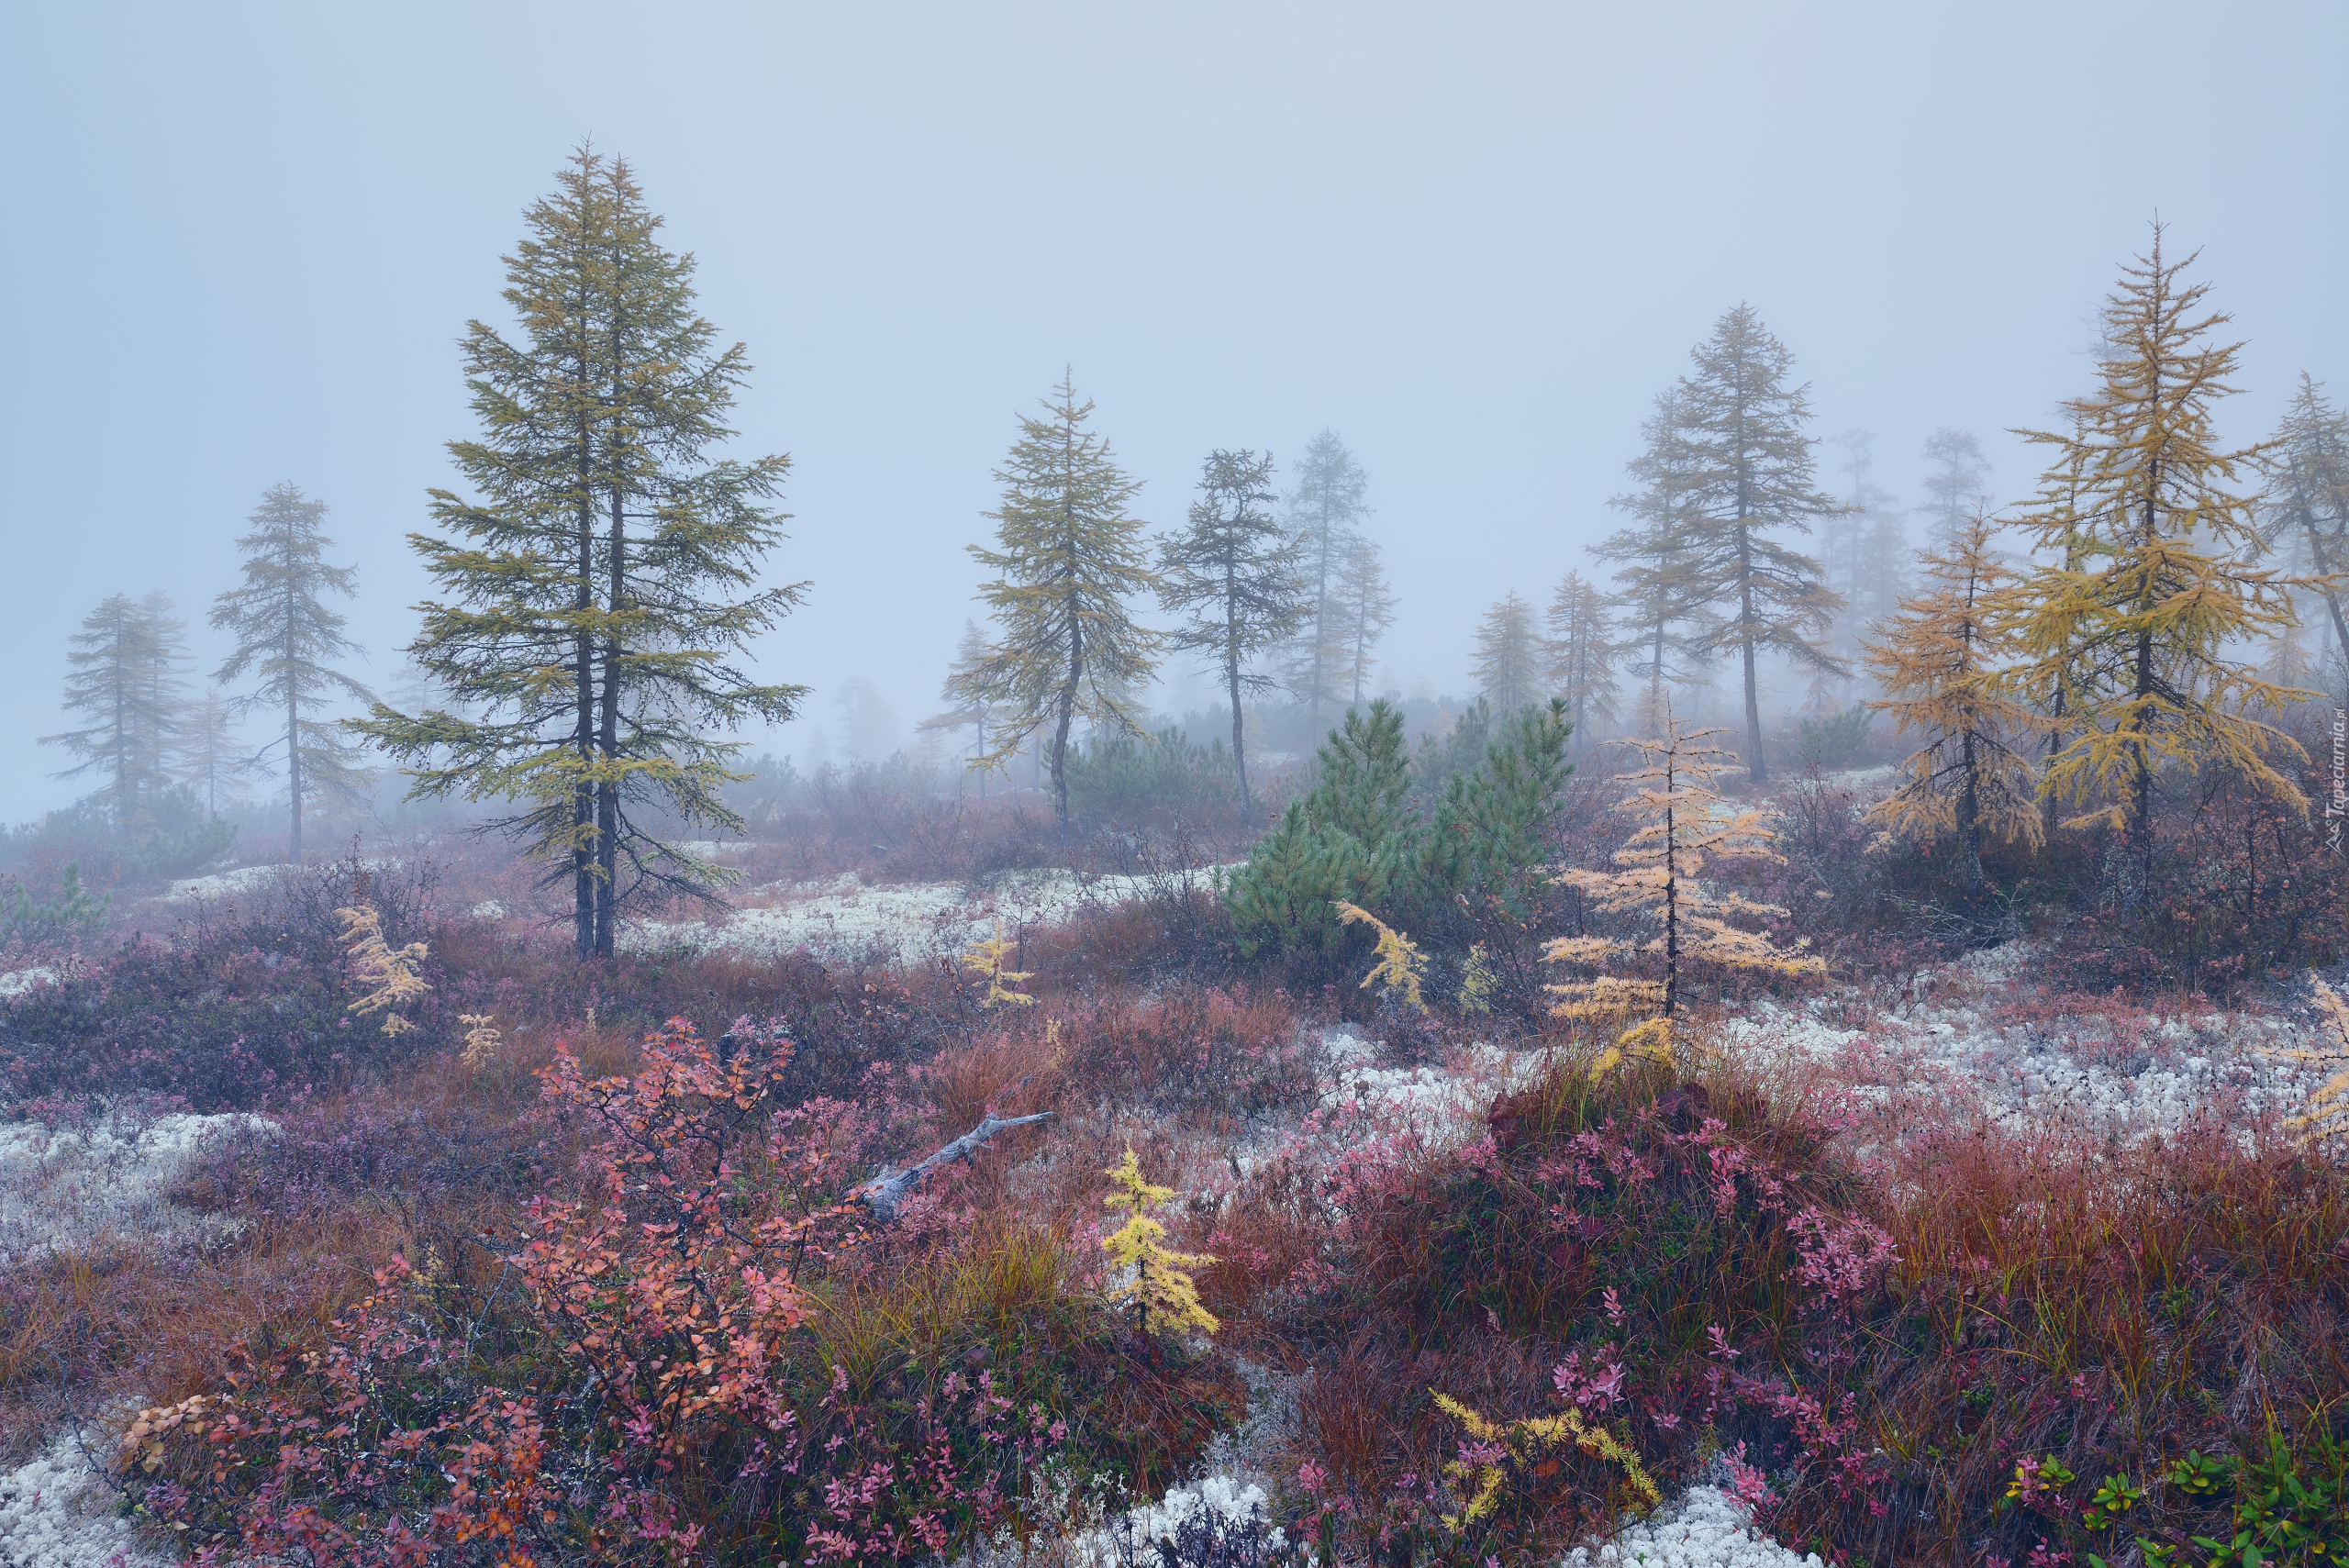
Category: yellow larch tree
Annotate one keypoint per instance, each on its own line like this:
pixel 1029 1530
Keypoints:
pixel 1161 1290
pixel 2156 585
pixel 389 973
pixel 1684 825
pixel 1401 968
pixel 1941 660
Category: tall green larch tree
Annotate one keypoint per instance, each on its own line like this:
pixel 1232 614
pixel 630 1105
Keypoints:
pixel 290 643
pixel 2155 586
pixel 1234 572
pixel 2306 516
pixel 1942 663
pixel 599 590
pixel 1069 556
pixel 1324 509
pixel 1749 477
pixel 1364 606
pixel 125 677
pixel 1508 666
pixel 1663 619
pixel 1585 660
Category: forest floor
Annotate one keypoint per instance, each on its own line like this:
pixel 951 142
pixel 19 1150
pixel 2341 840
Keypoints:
pixel 1988 1039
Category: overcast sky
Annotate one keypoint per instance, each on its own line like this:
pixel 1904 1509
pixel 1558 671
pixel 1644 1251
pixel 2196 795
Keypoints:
pixel 242 242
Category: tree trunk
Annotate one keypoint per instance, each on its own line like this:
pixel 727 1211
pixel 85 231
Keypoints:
pixel 1314 676
pixel 2141 828
pixel 1757 771
pixel 1671 909
pixel 583 795
pixel 608 788
pixel 1068 716
pixel 293 774
pixel 1969 824
pixel 1232 675
pixel 889 1186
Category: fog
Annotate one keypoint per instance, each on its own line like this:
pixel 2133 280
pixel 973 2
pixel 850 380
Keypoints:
pixel 244 240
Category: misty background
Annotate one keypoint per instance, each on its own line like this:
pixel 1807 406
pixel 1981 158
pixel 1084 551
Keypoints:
pixel 1474 241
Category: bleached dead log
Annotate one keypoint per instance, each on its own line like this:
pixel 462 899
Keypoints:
pixel 886 1191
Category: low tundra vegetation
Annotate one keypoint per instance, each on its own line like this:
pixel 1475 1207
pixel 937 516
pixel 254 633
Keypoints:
pixel 572 1266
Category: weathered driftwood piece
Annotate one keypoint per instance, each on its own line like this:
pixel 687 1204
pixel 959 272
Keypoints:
pixel 884 1192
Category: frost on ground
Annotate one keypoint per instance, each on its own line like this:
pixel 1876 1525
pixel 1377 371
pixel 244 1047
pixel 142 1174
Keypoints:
pixel 91 1189
pixel 223 883
pixel 1974 1035
pixel 17 982
pixel 1220 1506
pixel 1706 1527
pixel 844 919
pixel 57 1512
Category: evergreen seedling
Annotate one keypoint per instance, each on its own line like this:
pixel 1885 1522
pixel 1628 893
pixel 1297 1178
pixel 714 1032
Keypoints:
pixel 1941 660
pixel 1165 1300
pixel 986 960
pixel 389 973
pixel 1686 824
pixel 1400 967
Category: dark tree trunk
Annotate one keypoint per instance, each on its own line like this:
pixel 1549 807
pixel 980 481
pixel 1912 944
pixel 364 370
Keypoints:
pixel 1067 717
pixel 1757 770
pixel 293 775
pixel 1232 673
pixel 583 795
pixel 607 789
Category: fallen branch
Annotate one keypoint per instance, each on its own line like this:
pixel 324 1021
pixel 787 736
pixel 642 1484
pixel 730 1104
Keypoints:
pixel 886 1191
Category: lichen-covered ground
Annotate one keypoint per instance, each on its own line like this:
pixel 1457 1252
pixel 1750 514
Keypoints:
pixel 1982 1034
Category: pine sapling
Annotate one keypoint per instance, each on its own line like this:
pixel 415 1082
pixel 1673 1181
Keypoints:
pixel 388 972
pixel 1165 1300
pixel 1523 1447
pixel 482 1041
pixel 1400 965
pixel 986 960
pixel 1686 823
pixel 1941 662
pixel 1477 982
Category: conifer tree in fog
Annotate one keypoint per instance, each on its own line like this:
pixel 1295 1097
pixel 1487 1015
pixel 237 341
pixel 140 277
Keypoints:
pixel 2062 520
pixel 288 640
pixel 125 677
pixel 1508 666
pixel 1364 606
pixel 210 757
pixel 1942 662
pixel 1954 483
pixel 2306 516
pixel 1233 572
pixel 963 713
pixel 1863 548
pixel 1068 556
pixel 2156 534
pixel 1323 510
pixel 597 596
pixel 1664 618
pixel 1748 476
pixel 1584 660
